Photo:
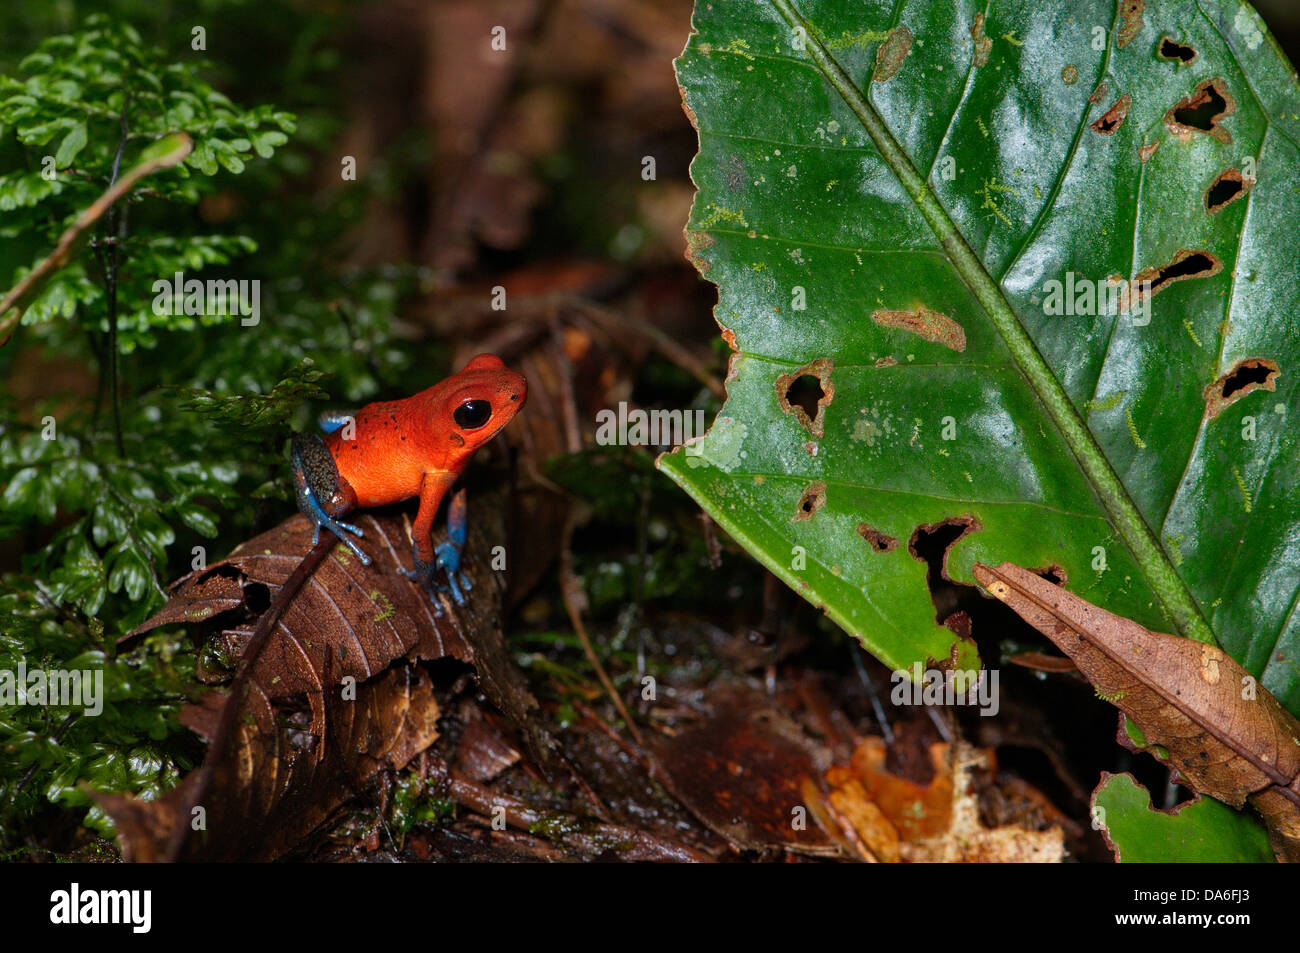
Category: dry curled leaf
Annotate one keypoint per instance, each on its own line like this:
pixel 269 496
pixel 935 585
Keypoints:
pixel 368 615
pixel 968 841
pixel 288 769
pixel 868 830
pixel 1225 735
pixel 742 771
pixel 336 694
pixel 916 811
pixel 899 819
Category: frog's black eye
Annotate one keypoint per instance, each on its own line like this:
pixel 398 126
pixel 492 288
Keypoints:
pixel 472 414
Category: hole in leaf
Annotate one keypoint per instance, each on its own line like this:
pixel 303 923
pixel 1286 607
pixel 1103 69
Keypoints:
pixel 257 597
pixel 1113 117
pixel 1227 187
pixel 931 544
pixel 813 499
pixel 806 393
pixel 1053 574
pixel 1171 49
pixel 880 542
pixel 1186 264
pixel 1195 265
pixel 1248 376
pixel 1202 111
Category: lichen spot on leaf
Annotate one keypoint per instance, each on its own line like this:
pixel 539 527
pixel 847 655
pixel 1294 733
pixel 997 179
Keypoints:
pixel 723 445
pixel 891 53
pixel 928 324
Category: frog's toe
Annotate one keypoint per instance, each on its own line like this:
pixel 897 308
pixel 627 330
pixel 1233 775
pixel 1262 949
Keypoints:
pixel 340 530
pixel 422 576
pixel 435 593
pixel 360 553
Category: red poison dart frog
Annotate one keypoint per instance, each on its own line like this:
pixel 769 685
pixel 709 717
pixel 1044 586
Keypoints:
pixel 389 452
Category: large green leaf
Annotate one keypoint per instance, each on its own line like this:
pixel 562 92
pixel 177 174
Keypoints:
pixel 960 175
pixel 1200 831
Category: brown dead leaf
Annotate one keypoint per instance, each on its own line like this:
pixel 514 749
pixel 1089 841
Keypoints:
pixel 968 841
pixel 864 821
pixel 915 810
pixel 368 615
pixel 288 770
pixel 1226 736
pixel 482 753
pixel 938 822
pixel 333 697
pixel 742 772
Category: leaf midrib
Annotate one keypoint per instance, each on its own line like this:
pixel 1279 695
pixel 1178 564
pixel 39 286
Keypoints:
pixel 1155 564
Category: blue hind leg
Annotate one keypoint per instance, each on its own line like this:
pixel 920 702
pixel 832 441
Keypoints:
pixel 447 556
pixel 315 475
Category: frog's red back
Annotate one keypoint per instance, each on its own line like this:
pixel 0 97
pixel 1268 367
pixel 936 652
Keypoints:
pixel 395 443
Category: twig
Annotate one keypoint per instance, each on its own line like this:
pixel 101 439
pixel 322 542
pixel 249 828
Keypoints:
pixel 886 730
pixel 940 723
pixel 21 295
pixel 638 845
pixel 618 324
pixel 568 400
pixel 571 589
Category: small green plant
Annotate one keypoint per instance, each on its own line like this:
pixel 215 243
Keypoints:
pixel 97 507
pixel 161 445
pixel 85 108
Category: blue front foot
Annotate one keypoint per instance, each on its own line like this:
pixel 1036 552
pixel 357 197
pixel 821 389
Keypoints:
pixel 446 558
pixel 447 555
